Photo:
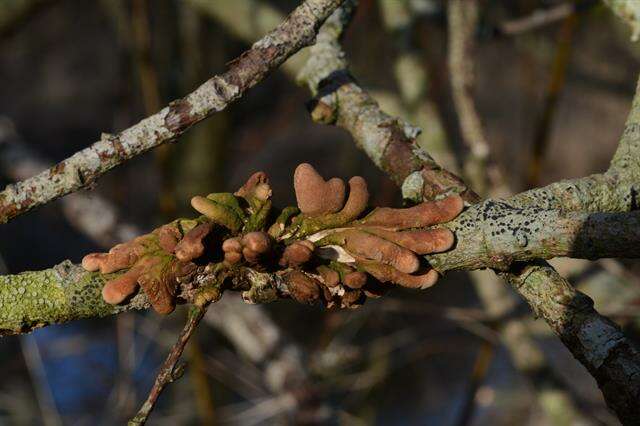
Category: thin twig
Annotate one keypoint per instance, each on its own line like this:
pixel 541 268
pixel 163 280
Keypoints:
pixel 537 19
pixel 44 396
pixel 168 372
pixel 82 169
pixel 462 21
pixel 556 84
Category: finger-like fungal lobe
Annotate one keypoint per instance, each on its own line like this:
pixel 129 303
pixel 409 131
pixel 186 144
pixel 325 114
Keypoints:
pixel 119 289
pixel 385 273
pixel 217 213
pixel 424 214
pixel 358 199
pixel 324 250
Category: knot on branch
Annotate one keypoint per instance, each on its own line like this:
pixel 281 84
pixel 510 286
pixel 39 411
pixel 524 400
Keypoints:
pixel 326 249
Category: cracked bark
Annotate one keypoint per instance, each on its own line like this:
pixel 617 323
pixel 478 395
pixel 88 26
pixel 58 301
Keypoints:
pixel 83 168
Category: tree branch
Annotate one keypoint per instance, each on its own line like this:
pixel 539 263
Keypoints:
pixel 593 339
pixel 496 234
pixel 86 166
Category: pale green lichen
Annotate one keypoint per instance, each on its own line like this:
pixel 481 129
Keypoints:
pixel 63 293
pixel 412 187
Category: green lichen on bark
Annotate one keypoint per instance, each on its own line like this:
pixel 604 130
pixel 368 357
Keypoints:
pixel 63 293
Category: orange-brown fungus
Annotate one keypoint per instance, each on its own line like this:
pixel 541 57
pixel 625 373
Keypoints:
pixel 424 214
pixel 297 254
pixel 302 287
pixel 314 195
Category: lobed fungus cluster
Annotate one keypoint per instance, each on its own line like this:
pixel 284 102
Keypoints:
pixel 327 249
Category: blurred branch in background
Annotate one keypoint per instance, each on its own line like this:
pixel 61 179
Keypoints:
pixel 556 83
pixel 462 25
pixel 14 12
pixel 89 213
pixel 83 168
pixel 282 363
pixel 31 353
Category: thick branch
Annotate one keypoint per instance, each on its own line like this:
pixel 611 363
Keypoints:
pixel 63 293
pixel 84 167
pixel 594 340
pixel 495 234
pixel 67 292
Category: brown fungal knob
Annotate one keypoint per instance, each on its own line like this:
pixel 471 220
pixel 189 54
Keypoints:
pixel 232 244
pixel 424 214
pixel 302 287
pixel 232 257
pixel 232 248
pixel 314 195
pixel 355 279
pixel 352 299
pixel 297 253
pixel 257 241
pixel 330 277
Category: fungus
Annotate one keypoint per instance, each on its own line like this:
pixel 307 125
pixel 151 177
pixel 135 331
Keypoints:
pixel 360 243
pixel 314 195
pixel 153 265
pixel 385 273
pixel 191 246
pixel 330 277
pixel 355 280
pixel 418 241
pixel 424 214
pixel 302 287
pixel 217 213
pixel 297 253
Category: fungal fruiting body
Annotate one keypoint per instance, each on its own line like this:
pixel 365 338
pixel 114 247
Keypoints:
pixel 325 249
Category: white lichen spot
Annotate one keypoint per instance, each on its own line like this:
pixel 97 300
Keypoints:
pixel 598 338
pixel 412 187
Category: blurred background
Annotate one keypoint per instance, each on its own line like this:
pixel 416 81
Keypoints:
pixel 553 85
